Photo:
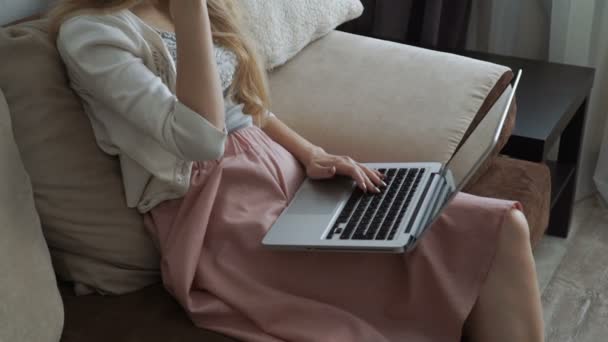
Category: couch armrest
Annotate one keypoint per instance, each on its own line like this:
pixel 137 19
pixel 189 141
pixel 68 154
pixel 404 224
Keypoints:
pixel 383 102
pixel 30 305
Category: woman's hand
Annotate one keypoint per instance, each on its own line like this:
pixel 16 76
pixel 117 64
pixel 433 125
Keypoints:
pixel 198 84
pixel 177 7
pixel 318 163
pixel 322 165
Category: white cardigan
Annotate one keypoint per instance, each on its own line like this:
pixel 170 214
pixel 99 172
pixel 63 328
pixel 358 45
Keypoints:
pixel 125 76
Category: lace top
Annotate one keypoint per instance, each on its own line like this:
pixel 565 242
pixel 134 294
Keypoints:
pixel 226 65
pixel 226 59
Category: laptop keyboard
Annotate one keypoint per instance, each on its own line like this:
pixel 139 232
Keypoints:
pixel 378 216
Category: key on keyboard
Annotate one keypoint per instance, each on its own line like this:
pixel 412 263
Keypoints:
pixel 378 216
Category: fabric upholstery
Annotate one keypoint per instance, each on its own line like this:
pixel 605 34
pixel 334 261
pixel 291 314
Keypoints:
pixel 281 28
pixel 30 305
pixel 371 99
pixel 149 315
pixel 527 182
pixel 93 237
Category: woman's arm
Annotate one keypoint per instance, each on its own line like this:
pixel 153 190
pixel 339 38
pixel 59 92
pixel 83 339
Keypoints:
pixel 318 163
pixel 198 84
pixel 106 68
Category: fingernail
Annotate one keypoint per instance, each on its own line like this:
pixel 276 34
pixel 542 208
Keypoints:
pixel 377 190
pixel 364 188
pixel 384 184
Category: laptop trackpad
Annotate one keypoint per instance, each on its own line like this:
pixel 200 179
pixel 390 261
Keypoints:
pixel 321 197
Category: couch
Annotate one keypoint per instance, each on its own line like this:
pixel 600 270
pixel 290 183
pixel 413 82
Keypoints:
pixel 371 99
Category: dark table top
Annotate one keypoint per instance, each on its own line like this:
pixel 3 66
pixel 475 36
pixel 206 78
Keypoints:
pixel 548 96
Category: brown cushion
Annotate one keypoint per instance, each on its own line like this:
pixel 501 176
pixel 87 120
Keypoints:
pixel 149 315
pixel 94 238
pixel 523 181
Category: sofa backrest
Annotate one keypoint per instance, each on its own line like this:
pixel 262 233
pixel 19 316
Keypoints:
pixel 379 101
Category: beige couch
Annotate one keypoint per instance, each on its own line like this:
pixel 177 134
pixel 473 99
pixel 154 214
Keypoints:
pixel 373 100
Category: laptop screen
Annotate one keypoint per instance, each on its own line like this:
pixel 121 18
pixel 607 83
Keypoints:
pixel 478 146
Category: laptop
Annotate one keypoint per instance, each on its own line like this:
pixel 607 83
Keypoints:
pixel 335 215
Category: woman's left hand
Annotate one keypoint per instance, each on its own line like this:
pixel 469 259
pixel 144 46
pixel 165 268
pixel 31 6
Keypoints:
pixel 322 165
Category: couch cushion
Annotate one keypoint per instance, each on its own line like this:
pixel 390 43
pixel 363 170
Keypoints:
pixel 30 305
pixel 523 181
pixel 149 315
pixel 94 238
pixel 382 101
pixel 281 28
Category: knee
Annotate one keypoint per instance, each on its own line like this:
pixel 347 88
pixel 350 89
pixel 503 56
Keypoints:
pixel 515 228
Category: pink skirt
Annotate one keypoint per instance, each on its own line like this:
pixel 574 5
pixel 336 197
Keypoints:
pixel 214 265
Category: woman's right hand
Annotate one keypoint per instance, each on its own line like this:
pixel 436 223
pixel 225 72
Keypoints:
pixel 178 8
pixel 198 83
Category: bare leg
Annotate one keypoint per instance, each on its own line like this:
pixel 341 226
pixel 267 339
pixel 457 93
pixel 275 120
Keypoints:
pixel 509 307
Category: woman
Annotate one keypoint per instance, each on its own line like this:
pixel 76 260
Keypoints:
pixel 174 89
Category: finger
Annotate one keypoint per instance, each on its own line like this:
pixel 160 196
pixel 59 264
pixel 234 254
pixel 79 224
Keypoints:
pixel 321 172
pixel 369 186
pixel 368 182
pixel 362 178
pixel 380 174
pixel 373 176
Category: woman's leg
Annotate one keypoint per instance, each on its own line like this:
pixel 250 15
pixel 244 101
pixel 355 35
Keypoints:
pixel 509 307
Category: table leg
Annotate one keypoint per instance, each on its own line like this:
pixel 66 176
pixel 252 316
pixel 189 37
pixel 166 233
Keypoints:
pixel 568 157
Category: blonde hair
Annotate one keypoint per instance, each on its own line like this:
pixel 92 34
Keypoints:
pixel 250 85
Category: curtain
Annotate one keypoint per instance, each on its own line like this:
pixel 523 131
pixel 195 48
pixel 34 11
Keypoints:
pixel 511 27
pixel 600 51
pixel 563 31
pixel 439 24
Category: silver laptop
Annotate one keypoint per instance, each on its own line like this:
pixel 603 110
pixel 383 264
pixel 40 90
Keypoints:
pixel 335 215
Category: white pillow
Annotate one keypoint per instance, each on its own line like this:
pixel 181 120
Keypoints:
pixel 281 28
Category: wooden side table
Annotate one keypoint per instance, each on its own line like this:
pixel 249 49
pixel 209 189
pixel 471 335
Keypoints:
pixel 552 105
